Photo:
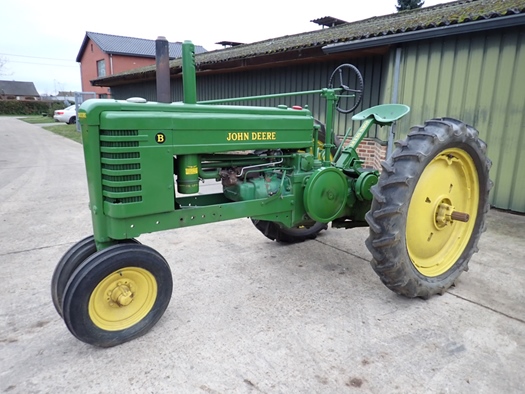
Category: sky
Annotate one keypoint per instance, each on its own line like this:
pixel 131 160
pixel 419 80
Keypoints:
pixel 40 39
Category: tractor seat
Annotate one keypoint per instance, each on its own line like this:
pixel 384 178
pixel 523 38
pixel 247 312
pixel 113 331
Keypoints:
pixel 384 114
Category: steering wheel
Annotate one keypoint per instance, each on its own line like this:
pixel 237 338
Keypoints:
pixel 345 71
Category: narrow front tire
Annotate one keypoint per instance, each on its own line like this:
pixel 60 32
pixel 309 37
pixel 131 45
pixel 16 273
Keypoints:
pixel 117 294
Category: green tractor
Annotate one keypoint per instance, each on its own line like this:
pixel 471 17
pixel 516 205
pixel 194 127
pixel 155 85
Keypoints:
pixel 281 168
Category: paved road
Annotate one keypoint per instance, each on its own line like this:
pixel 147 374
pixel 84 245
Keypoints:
pixel 247 315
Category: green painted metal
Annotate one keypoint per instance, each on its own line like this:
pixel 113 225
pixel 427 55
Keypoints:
pixel 257 83
pixel 189 76
pixel 325 194
pixel 265 157
pixel 364 183
pixel 384 114
pixel 349 157
pixel 262 97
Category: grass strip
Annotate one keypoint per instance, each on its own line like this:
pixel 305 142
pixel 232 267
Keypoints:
pixel 37 119
pixel 66 130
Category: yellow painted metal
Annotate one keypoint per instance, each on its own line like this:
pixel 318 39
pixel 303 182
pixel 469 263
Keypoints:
pixel 320 156
pixel 434 240
pixel 320 145
pixel 122 299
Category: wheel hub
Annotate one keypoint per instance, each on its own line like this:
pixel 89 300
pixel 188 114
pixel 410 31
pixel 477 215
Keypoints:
pixel 122 293
pixel 122 298
pixel 447 191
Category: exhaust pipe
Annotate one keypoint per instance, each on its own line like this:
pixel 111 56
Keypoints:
pixel 162 56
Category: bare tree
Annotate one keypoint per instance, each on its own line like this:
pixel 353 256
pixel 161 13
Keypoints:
pixel 3 68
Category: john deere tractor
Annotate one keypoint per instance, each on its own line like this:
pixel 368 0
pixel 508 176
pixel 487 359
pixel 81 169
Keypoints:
pixel 280 167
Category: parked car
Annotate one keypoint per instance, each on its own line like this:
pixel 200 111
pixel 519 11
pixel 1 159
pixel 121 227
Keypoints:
pixel 67 115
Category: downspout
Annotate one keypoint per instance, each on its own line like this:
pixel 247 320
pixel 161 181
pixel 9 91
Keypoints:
pixel 110 70
pixel 395 90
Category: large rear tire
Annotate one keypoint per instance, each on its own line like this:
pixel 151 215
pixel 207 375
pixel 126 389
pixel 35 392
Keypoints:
pixel 429 208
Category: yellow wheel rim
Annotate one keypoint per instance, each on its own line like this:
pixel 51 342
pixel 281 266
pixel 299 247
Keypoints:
pixel 448 184
pixel 122 299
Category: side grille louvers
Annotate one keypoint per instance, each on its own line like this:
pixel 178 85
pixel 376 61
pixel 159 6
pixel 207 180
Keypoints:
pixel 120 162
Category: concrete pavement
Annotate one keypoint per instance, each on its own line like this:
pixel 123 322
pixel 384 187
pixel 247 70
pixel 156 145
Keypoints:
pixel 247 315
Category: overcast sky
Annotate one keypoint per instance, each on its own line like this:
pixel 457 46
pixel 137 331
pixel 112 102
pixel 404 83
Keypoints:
pixel 40 39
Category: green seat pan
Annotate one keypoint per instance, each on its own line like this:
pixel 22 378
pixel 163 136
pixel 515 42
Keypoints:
pixel 384 114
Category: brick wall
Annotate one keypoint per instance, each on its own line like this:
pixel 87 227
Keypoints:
pixel 88 67
pixel 373 152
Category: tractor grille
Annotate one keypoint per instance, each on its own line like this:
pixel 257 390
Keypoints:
pixel 120 144
pixel 121 167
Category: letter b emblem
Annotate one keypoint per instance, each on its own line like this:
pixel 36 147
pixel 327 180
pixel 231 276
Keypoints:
pixel 160 138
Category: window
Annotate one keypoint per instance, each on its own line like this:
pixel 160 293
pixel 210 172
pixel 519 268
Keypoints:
pixel 101 68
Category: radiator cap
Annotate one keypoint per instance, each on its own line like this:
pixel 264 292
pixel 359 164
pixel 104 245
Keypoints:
pixel 136 100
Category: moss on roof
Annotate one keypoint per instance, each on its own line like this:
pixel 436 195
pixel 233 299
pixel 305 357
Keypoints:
pixel 458 12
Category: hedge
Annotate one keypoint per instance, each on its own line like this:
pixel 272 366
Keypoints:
pixel 29 107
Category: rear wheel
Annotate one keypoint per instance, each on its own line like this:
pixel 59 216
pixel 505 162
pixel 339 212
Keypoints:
pixel 279 233
pixel 71 260
pixel 117 294
pixel 72 120
pixel 429 208
pixel 276 232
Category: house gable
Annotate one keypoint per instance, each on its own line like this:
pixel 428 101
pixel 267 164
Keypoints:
pixel 102 55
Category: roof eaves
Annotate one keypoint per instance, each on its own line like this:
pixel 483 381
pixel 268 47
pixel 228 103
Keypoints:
pixel 129 46
pixel 82 48
pixel 130 54
pixel 441 31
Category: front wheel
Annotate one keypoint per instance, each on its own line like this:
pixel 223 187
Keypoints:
pixel 117 294
pixel 67 265
pixel 71 260
pixel 429 208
